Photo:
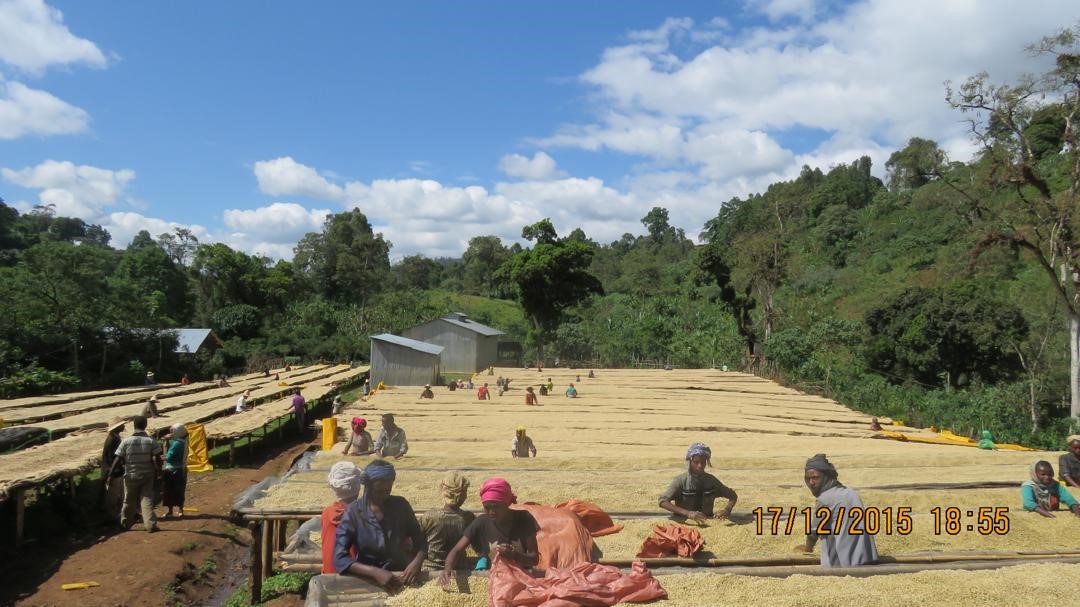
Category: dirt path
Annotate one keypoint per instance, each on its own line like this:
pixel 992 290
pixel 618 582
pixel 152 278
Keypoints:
pixel 186 563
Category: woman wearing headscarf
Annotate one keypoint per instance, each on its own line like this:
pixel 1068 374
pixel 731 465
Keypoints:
pixel 344 480
pixel 693 493
pixel 499 530
pixel 841 547
pixel 522 445
pixel 174 477
pixel 379 537
pixel 445 526
pixel 1043 494
pixel 360 442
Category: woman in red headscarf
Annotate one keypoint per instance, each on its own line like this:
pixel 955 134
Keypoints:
pixel 499 530
pixel 360 442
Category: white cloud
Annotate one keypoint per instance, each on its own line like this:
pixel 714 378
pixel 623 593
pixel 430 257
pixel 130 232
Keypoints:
pixel 27 111
pixel 76 190
pixel 280 222
pixel 286 177
pixel 779 9
pixel 124 225
pixel 33 37
pixel 539 167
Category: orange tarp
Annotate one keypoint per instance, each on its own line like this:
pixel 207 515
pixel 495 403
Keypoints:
pixel 667 540
pixel 562 540
pixel 595 520
pixel 583 584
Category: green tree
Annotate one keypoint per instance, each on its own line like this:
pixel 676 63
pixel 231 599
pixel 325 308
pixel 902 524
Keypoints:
pixel 417 272
pixel 1023 196
pixel 915 165
pixel 347 261
pixel 481 259
pixel 549 278
pixel 956 334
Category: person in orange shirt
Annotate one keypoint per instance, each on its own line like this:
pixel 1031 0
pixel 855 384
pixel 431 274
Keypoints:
pixel 482 393
pixel 344 479
pixel 530 396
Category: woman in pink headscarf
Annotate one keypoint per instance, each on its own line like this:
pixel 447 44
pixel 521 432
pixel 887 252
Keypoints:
pixel 499 530
pixel 360 442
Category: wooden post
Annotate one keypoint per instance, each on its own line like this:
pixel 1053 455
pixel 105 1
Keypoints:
pixel 281 539
pixel 20 516
pixel 256 562
pixel 267 549
pixel 232 453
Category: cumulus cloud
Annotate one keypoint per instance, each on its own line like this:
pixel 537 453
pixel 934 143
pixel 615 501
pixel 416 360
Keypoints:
pixel 27 111
pixel 124 225
pixel 874 71
pixel 539 167
pixel 781 9
pixel 81 191
pixel 286 177
pixel 33 37
pixel 280 222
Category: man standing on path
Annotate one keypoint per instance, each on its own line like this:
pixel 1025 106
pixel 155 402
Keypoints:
pixel 141 457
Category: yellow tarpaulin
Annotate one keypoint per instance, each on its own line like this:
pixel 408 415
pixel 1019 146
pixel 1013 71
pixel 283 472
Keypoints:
pixel 198 455
pixel 946 438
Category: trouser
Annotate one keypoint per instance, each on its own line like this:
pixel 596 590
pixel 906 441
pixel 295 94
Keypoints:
pixel 300 415
pixel 139 494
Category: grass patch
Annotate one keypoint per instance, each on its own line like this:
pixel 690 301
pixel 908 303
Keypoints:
pixel 276 585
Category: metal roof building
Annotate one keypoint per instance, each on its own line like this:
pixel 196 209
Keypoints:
pixel 189 341
pixel 470 346
pixel 399 361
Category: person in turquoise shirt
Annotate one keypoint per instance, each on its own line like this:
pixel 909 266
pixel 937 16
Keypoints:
pixel 1043 494
pixel 175 472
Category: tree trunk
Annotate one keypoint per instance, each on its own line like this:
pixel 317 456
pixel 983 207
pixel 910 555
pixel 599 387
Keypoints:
pixel 1074 365
pixel 539 341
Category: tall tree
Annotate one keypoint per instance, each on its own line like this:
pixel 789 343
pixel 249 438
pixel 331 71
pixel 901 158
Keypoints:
pixel 1026 197
pixel 347 261
pixel 550 277
pixel 483 256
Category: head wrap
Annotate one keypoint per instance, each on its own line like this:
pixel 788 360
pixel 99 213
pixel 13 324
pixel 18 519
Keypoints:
pixel 358 424
pixel 520 430
pixel 497 490
pixel 822 464
pixel 1043 494
pixel 344 479
pixel 1072 437
pixel 378 470
pixel 699 449
pixel 178 431
pixel 454 488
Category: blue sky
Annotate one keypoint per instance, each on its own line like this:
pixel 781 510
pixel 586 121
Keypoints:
pixel 248 122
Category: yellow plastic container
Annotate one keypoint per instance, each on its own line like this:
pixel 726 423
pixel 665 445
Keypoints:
pixel 329 433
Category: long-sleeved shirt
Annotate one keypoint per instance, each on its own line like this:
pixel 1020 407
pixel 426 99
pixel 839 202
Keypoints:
pixel 378 543
pixel 697 492
pixel 841 548
pixel 1062 494
pixel 391 443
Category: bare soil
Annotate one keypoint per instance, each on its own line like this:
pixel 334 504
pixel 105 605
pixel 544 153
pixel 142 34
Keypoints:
pixel 196 560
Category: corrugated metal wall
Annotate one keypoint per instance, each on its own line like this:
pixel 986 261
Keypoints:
pixel 487 351
pixel 460 353
pixel 397 365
